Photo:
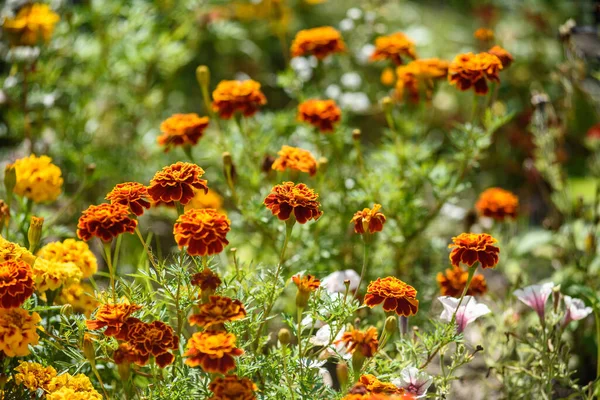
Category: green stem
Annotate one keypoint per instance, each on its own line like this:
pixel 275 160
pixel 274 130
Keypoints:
pixel 111 270
pixel 597 317
pixel 285 370
pixel 364 265
pixel 465 290
pixel 299 333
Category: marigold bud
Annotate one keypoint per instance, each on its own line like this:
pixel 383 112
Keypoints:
pixel 323 163
pixel 35 232
pixel 203 76
pixel 302 299
pixel 358 359
pixel 391 324
pixel 341 371
pixel 356 134
pixel 88 349
pixel 284 336
pixel 387 103
pixel 10 179
pixel 556 297
pixel 590 243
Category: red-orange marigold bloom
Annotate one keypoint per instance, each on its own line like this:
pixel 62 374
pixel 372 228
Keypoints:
pixel 232 387
pixel 243 96
pixel 177 182
pixel 498 204
pixel 505 57
pixel 218 310
pixel 131 194
pixel 105 221
pixel 112 316
pixel 374 385
pixel 299 199
pixel 16 283
pixel 394 294
pixel 365 342
pixel 484 34
pixel 322 114
pixel 368 220
pixel 125 353
pixel 213 351
pixel 394 47
pixel 206 280
pixel 474 70
pixel 295 159
pixel 318 42
pixel 150 339
pixel 469 248
pixel 306 283
pixel 182 130
pixel 203 231
pixel 418 77
pixel 453 281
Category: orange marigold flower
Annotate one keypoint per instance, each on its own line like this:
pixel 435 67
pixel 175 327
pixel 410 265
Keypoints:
pixel 469 248
pixel 203 231
pixel 505 57
pixel 210 199
pixel 33 22
pixel 182 130
pixel 394 294
pixel 484 34
pixel 394 47
pixel 418 77
pixel 374 385
pixel 368 220
pixel 365 342
pixel 321 114
pixel 18 329
pixel 218 310
pixel 112 316
pixel 498 204
pixel 318 42
pixel 206 280
pixel 299 199
pixel 232 387
pixel 306 283
pixel 105 221
pixel 153 339
pixel 16 283
pixel 243 96
pixel 474 70
pixel 453 281
pixel 295 159
pixel 177 182
pixel 131 194
pixel 213 351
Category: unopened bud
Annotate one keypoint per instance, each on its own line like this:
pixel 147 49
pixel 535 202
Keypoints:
pixel 323 163
pixel 227 160
pixel 341 370
pixel 556 297
pixel 10 179
pixel 356 134
pixel 390 325
pixel 302 298
pixel 203 76
pixel 358 359
pixel 90 168
pixel 590 243
pixel 387 103
pixel 34 235
pixel 88 349
pixel 4 213
pixel 284 336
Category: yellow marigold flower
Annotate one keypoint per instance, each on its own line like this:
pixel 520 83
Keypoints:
pixel 213 351
pixel 50 275
pixel 16 283
pixel 395 295
pixel 364 342
pixel 131 194
pixel 202 231
pixel 498 204
pixel 72 387
pixel 74 251
pixel 79 296
pixel 201 200
pixel 418 77
pixel 505 57
pixel 232 96
pixel 177 182
pixel 374 385
pixel 34 376
pixel 484 34
pixel 368 220
pixel 388 76
pixel 218 310
pixel 469 248
pixel 182 130
pixel 105 221
pixel 33 22
pixel 232 387
pixel 38 179
pixel 453 282
pixel 322 114
pixel 18 329
pixel 394 47
pixel 299 199
pixel 318 42
pixel 12 251
pixel 474 70
pixel 295 159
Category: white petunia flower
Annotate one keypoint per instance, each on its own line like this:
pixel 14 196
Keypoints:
pixel 468 311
